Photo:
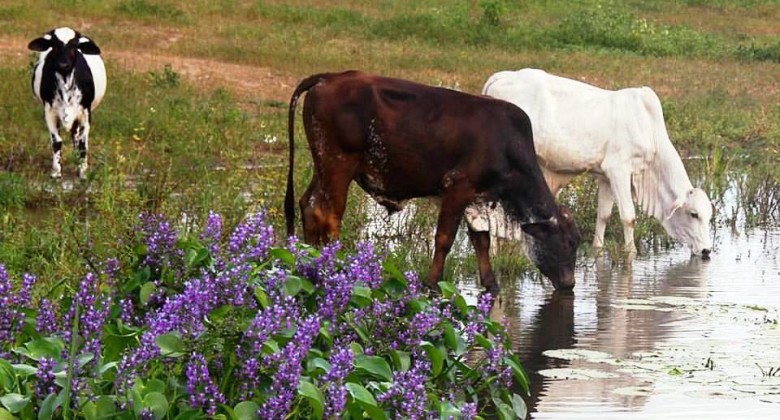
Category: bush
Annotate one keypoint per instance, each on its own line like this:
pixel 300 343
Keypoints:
pixel 208 324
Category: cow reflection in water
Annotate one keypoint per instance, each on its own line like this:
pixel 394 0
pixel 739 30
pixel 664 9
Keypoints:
pixel 589 319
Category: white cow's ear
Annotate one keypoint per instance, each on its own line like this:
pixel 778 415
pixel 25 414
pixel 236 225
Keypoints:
pixel 675 206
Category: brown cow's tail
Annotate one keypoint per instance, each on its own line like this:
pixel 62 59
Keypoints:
pixel 289 196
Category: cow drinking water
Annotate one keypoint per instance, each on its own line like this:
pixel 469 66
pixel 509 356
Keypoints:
pixel 70 80
pixel 400 140
pixel 618 136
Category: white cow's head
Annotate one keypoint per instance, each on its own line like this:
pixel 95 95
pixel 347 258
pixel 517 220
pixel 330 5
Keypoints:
pixel 688 221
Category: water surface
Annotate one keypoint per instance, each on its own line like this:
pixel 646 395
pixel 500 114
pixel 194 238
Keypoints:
pixel 669 336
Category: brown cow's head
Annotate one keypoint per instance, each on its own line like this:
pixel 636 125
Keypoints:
pixel 553 247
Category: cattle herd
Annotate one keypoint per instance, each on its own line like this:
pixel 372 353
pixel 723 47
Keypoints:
pixel 499 158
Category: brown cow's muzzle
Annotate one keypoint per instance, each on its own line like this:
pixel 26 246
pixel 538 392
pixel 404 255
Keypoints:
pixel 563 279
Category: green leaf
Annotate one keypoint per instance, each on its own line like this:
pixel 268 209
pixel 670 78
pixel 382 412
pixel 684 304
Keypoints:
pixel 43 347
pixel 7 376
pixel 154 385
pixel 307 286
pixel 89 411
pixel 147 290
pixel 436 356
pixel 376 366
pixel 447 289
pixel 170 345
pixel 448 411
pixel 283 255
pixel 262 297
pixel 520 375
pixel 356 348
pixel 460 302
pixel 156 402
pixel 5 415
pixel 318 364
pixel 105 406
pixel 482 341
pixel 14 402
pixel 49 404
pixel 24 370
pixel 292 286
pixel 271 347
pixel 401 359
pixel 246 410
pixel 361 296
pixel 505 412
pixel 189 415
pixel 361 394
pixel 518 406
pixel 314 395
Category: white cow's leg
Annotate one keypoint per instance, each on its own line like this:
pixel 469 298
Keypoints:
pixel 606 201
pixel 52 123
pixel 621 190
pixel 81 140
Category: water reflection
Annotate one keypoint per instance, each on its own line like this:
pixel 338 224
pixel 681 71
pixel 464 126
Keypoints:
pixel 675 333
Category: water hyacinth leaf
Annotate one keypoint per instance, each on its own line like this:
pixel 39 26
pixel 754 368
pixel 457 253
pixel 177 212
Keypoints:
pixel 7 376
pixel 482 341
pixel 460 302
pixel 519 407
pixel 318 363
pixel 14 402
pixel 447 289
pixel 448 410
pixel 436 356
pixel 505 411
pixel 157 403
pixel 154 385
pixel 49 404
pixel 170 345
pixel 190 415
pixel 361 296
pixel 271 347
pixel 105 406
pixel 520 375
pixel 23 370
pixel 196 257
pixel 42 347
pixel 292 286
pixel 356 348
pixel 262 297
pixel 402 360
pixel 376 366
pixel 314 396
pixel 246 410
pixel 283 255
pixel 391 271
pixel 325 334
pixel 147 290
pixel 89 411
pixel 361 394
pixel 5 415
pixel 85 358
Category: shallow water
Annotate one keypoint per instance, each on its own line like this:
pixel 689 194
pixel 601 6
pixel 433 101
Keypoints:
pixel 669 336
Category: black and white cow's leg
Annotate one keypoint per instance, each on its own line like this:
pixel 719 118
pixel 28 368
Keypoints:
pixel 80 133
pixel 52 123
pixel 605 203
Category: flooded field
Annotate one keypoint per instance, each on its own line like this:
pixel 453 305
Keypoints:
pixel 669 336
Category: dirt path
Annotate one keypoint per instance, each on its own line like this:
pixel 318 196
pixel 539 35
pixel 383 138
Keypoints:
pixel 246 82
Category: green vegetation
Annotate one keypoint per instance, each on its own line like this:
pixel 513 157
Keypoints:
pixel 194 119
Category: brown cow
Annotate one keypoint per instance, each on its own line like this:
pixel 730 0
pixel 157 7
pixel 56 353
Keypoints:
pixel 401 140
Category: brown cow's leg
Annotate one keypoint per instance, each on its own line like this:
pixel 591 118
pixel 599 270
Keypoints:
pixel 323 205
pixel 453 204
pixel 481 243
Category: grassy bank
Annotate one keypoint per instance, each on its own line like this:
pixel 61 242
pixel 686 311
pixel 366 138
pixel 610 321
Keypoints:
pixel 194 118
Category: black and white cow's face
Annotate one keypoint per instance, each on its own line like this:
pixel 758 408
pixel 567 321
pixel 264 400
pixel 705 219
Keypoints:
pixel 62 44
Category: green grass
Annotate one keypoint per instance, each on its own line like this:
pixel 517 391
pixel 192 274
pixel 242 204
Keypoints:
pixel 165 141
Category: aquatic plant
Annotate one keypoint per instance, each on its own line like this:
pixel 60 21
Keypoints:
pixel 209 324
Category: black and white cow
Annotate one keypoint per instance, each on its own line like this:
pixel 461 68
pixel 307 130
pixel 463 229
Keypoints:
pixel 70 80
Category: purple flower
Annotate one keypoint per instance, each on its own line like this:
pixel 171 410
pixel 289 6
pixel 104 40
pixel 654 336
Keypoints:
pixel 45 378
pixel 203 392
pixel 212 232
pixel 160 238
pixel 11 303
pixel 407 397
pixel 46 320
pixel 290 359
pixel 340 367
pixel 251 239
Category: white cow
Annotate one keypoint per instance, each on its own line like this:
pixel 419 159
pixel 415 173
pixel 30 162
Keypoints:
pixel 618 136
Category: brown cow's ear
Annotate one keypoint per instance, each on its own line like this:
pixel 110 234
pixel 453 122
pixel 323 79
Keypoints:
pixel 39 44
